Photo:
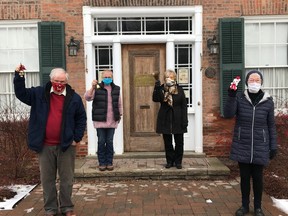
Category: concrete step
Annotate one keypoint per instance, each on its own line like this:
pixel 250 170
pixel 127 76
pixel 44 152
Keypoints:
pixel 130 166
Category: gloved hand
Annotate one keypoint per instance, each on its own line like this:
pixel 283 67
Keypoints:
pixel 273 153
pixel 231 92
pixel 156 75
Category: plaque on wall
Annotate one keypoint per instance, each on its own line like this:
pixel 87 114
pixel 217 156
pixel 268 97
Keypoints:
pixel 183 76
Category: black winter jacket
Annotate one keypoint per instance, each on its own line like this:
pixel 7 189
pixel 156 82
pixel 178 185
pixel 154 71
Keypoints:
pixel 171 120
pixel 255 131
pixel 73 118
pixel 99 106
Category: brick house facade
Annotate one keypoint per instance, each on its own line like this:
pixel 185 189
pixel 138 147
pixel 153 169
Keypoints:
pixel 216 131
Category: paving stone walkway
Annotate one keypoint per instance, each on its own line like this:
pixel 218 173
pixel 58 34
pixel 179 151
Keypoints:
pixel 149 198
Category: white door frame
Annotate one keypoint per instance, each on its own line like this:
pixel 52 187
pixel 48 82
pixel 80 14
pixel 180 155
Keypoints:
pixel 193 140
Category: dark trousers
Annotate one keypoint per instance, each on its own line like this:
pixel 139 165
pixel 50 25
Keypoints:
pixel 105 150
pixel 52 160
pixel 174 155
pixel 256 172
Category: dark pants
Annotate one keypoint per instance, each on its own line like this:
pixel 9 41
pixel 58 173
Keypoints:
pixel 105 150
pixel 174 155
pixel 51 161
pixel 256 172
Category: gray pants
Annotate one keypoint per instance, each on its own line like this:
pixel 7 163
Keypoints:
pixel 51 160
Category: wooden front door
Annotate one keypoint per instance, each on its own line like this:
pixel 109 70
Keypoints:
pixel 140 112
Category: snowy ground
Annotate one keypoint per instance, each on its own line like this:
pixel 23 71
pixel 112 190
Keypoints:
pixel 21 190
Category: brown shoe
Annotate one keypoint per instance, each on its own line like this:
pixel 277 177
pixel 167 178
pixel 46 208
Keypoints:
pixel 102 168
pixel 110 167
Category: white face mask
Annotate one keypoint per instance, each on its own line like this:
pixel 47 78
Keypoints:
pixel 170 82
pixel 254 87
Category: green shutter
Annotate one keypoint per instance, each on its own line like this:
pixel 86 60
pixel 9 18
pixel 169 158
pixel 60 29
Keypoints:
pixel 231 55
pixel 51 48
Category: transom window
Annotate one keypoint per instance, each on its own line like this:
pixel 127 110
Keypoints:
pixel 142 25
pixel 266 49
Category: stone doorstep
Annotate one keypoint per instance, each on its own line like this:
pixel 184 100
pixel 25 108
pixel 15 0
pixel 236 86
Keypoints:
pixel 151 166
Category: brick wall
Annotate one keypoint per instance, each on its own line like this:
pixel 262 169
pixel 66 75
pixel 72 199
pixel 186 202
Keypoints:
pixel 216 139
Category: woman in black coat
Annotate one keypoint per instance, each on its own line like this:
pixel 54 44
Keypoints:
pixel 254 139
pixel 172 117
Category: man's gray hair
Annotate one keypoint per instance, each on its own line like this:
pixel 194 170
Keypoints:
pixel 58 70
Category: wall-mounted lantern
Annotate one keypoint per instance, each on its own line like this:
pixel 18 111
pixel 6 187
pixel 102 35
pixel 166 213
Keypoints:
pixel 73 46
pixel 213 45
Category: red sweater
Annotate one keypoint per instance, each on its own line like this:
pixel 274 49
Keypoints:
pixel 53 127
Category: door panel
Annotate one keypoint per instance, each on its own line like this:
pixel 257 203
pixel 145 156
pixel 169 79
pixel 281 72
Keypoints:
pixel 140 112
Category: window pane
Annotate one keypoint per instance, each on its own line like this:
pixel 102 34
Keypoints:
pixel 4 60
pixel 16 57
pixel 31 37
pixel 178 25
pixel 267 55
pixel 3 38
pixel 132 25
pixel 252 33
pixel 282 32
pixel 155 25
pixel 107 26
pixel 183 56
pixel 267 33
pixel 31 60
pixel 252 56
pixel 15 39
pixel 281 55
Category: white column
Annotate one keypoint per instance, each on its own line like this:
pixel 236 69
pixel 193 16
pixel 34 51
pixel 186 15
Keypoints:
pixel 170 54
pixel 89 76
pixel 117 76
pixel 197 88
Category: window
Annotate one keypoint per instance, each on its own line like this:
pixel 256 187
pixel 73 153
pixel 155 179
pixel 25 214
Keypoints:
pixel 183 68
pixel 19 44
pixel 103 59
pixel 142 25
pixel 266 49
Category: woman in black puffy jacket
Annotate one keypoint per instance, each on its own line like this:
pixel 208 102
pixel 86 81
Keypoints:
pixel 254 139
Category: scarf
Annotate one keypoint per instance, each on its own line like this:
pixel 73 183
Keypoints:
pixel 168 92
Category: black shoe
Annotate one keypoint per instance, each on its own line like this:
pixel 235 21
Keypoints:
pixel 241 211
pixel 168 165
pixel 258 212
pixel 179 166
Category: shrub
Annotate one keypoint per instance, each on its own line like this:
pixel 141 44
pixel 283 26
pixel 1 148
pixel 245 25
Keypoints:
pixel 15 157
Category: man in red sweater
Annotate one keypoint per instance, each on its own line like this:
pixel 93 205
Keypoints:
pixel 56 126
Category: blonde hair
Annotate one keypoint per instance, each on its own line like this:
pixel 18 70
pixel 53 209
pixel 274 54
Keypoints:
pixel 168 72
pixel 106 71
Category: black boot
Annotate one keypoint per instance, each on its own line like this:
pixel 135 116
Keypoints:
pixel 241 211
pixel 258 212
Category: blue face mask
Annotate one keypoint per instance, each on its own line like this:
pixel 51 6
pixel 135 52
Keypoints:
pixel 107 81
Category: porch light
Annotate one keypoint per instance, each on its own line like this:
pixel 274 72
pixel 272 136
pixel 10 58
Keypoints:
pixel 73 46
pixel 213 45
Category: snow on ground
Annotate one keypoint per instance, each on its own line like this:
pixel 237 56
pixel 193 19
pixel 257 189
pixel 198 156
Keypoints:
pixel 21 190
pixel 281 204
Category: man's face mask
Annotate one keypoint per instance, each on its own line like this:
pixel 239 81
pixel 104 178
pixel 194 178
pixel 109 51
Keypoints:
pixel 254 87
pixel 170 82
pixel 58 87
pixel 107 80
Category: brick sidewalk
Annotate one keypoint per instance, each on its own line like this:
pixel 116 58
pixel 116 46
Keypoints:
pixel 149 197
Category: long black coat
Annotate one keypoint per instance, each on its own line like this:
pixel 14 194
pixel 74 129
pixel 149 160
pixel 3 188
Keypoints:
pixel 255 131
pixel 171 120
